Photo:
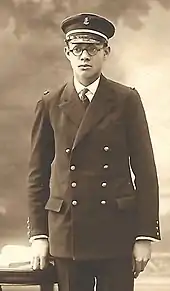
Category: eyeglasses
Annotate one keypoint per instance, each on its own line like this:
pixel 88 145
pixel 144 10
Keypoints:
pixel 91 49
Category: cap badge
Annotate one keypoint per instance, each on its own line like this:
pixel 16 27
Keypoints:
pixel 86 21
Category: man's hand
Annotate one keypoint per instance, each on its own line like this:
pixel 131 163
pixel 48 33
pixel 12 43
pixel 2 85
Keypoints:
pixel 141 256
pixel 40 251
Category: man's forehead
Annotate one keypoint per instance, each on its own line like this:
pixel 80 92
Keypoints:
pixel 84 45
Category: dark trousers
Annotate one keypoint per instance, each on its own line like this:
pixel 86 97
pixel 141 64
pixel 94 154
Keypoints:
pixel 104 275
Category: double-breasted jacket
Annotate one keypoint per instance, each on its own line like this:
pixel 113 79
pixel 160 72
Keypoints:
pixel 80 187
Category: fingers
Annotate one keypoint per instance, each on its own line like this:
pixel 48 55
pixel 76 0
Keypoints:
pixel 35 263
pixel 141 256
pixel 139 266
pixel 43 262
pixel 38 262
pixel 39 250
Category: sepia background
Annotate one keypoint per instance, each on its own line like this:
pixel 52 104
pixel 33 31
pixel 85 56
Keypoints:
pixel 32 61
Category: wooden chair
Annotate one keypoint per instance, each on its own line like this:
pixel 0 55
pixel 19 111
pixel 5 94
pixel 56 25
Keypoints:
pixel 25 276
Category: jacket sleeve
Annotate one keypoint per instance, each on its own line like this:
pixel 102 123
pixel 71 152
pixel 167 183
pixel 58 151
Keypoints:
pixel 41 157
pixel 142 163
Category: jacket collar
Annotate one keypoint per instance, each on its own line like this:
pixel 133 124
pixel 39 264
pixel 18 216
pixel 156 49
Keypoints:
pixel 71 104
pixel 92 87
pixel 101 104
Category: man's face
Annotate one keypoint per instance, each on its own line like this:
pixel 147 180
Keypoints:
pixel 87 60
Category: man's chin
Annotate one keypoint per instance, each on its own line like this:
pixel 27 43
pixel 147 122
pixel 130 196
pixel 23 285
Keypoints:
pixel 86 73
pixel 86 77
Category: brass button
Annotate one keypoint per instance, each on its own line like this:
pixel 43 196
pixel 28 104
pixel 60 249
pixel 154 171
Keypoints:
pixel 73 184
pixel 104 184
pixel 46 92
pixel 157 233
pixel 103 202
pixel 106 148
pixel 67 150
pixel 157 227
pixel 72 168
pixel 106 166
pixel 74 202
pixel 157 222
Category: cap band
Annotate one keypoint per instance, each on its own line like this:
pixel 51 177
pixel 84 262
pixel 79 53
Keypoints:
pixel 87 31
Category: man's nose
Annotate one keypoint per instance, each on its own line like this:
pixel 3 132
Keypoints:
pixel 85 55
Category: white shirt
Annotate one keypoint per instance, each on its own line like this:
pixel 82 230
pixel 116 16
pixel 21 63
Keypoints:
pixel 92 88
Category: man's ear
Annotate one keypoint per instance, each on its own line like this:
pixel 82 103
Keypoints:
pixel 67 52
pixel 107 50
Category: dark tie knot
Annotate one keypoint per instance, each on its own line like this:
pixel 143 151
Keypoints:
pixel 83 95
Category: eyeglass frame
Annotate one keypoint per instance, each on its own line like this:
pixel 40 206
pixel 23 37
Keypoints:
pixel 86 49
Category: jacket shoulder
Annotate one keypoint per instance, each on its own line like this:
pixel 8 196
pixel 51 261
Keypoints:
pixel 121 88
pixel 53 95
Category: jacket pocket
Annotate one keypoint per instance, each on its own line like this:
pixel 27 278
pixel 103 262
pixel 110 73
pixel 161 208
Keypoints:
pixel 54 204
pixel 126 203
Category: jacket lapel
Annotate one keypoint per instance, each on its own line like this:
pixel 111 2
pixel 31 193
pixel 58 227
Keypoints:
pixel 71 105
pixel 101 104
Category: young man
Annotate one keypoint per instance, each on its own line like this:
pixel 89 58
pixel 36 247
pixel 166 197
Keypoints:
pixel 89 214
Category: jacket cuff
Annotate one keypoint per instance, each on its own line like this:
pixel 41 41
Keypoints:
pixel 152 239
pixel 39 236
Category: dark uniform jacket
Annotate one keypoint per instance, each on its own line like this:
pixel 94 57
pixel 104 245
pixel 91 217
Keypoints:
pixel 90 207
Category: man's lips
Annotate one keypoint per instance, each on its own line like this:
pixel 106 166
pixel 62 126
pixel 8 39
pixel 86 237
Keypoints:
pixel 85 66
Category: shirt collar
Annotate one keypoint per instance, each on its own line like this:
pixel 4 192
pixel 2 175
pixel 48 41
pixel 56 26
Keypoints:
pixel 92 87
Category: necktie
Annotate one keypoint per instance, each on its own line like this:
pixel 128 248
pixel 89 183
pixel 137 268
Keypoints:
pixel 84 98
